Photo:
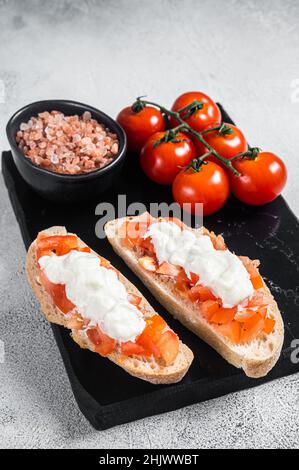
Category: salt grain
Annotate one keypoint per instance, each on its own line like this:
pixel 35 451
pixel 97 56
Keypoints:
pixel 54 159
pixel 86 116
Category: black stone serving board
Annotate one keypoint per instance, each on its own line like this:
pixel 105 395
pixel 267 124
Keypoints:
pixel 107 395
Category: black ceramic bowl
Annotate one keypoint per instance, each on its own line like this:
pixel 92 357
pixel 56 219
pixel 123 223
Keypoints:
pixel 62 187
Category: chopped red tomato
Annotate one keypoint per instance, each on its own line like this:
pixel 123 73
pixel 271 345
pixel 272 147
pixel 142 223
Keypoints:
pixel 257 282
pixel 263 310
pixel 148 263
pixel 104 345
pixel 255 277
pixel 85 249
pixel 134 299
pixel 201 294
pixel 182 281
pixel 129 243
pixel 58 244
pixel 105 263
pixel 269 325
pixel 151 334
pixel 232 331
pixel 219 243
pixel 224 316
pixel 147 245
pixel 154 341
pixel 145 340
pixel 76 322
pixel 252 328
pixel 194 278
pixel 144 219
pixel 168 345
pixel 133 230
pixel 155 326
pixel 209 308
pixel 244 315
pixel 132 235
pixel 136 230
pixel 57 293
pixel 168 269
pixel 257 300
pixel 131 349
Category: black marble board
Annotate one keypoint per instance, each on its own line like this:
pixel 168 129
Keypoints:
pixel 107 395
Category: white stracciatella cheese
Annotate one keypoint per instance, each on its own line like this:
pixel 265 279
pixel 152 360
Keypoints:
pixel 220 270
pixel 97 293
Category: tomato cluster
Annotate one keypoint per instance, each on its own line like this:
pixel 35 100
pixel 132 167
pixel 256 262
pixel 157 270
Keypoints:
pixel 171 157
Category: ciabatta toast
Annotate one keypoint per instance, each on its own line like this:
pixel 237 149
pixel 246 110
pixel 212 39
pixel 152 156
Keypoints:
pixel 147 368
pixel 256 358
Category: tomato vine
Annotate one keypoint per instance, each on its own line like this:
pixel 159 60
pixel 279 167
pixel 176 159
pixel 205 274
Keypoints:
pixel 183 126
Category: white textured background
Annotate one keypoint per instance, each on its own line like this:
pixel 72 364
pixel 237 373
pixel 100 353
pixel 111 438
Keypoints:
pixel 243 53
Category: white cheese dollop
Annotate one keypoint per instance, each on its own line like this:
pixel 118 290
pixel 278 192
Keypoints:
pixel 97 293
pixel 220 270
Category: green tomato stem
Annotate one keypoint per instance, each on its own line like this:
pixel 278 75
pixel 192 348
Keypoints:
pixel 199 135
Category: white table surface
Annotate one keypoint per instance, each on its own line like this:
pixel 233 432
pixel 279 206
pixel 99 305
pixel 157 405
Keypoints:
pixel 105 53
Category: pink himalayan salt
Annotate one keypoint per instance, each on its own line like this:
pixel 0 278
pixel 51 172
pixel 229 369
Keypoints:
pixel 67 144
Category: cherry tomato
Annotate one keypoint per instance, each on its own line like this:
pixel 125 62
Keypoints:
pixel 209 186
pixel 163 162
pixel 204 117
pixel 139 126
pixel 227 144
pixel 261 180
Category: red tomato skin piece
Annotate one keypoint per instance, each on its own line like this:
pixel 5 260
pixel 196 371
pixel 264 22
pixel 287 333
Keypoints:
pixel 209 308
pixel 57 293
pixel 224 315
pixel 168 345
pixel 252 328
pixel 131 349
pixel 201 293
pixel 104 345
pixel 232 331
pixel 269 325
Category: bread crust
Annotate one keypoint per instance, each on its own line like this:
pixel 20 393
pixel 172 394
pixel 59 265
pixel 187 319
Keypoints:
pixel 256 358
pixel 146 369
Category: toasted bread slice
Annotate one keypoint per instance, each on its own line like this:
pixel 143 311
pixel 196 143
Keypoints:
pixel 144 368
pixel 256 358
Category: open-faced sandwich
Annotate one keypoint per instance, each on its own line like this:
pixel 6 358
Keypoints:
pixel 82 291
pixel 219 296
